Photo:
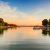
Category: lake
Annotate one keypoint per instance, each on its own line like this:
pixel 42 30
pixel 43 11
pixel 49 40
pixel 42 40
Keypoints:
pixel 24 38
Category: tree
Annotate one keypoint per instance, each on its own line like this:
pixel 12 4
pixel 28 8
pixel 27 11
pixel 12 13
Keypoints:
pixel 49 22
pixel 5 24
pixel 1 20
pixel 45 22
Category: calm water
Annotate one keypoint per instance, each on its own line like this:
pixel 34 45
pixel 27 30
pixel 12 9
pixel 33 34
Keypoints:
pixel 24 38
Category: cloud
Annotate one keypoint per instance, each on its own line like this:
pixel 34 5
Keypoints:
pixel 39 11
pixel 10 13
pixel 13 15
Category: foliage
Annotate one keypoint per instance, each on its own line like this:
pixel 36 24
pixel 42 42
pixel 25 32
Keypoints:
pixel 49 22
pixel 1 20
pixel 2 23
pixel 45 22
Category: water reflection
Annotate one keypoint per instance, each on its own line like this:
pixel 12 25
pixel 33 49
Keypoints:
pixel 2 31
pixel 45 32
pixel 24 39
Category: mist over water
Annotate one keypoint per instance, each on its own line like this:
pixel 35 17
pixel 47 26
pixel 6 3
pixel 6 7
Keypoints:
pixel 24 38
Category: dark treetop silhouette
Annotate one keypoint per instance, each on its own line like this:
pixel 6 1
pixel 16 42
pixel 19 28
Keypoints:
pixel 46 22
pixel 2 23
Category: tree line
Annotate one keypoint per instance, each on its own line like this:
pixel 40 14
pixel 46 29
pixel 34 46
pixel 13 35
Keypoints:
pixel 46 22
pixel 2 23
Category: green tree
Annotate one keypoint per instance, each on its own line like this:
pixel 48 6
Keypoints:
pixel 5 24
pixel 45 22
pixel 49 22
pixel 1 20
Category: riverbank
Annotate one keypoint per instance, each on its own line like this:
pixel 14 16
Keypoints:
pixel 6 26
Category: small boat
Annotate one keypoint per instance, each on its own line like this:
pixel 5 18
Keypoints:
pixel 36 28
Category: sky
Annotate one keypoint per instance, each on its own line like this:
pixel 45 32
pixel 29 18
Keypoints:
pixel 25 12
